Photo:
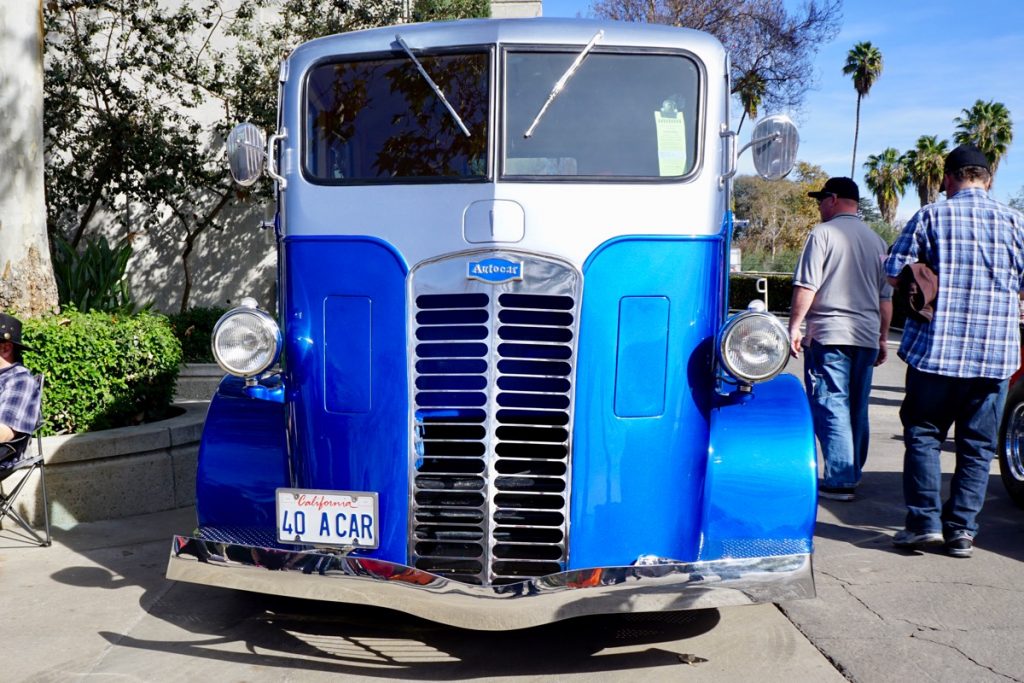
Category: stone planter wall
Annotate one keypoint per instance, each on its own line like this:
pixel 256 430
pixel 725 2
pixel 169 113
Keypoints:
pixel 117 472
pixel 198 381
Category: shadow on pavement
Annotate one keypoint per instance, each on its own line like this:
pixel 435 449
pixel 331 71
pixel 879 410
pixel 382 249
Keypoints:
pixel 872 519
pixel 347 640
pixel 217 625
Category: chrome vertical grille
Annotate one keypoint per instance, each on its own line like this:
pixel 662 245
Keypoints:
pixel 531 446
pixel 492 373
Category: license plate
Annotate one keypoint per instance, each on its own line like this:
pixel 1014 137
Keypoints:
pixel 339 518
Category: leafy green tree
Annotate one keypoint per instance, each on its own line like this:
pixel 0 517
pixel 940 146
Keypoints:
pixel 1017 201
pixel 129 88
pixel 924 163
pixel 887 176
pixel 864 64
pixel 869 213
pixel 987 125
pixel 768 44
pixel 780 214
pixel 447 10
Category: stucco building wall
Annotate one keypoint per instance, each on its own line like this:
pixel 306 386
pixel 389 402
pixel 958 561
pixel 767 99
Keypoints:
pixel 237 261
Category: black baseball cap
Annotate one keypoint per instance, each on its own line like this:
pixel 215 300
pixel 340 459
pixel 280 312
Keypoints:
pixel 10 330
pixel 844 188
pixel 965 155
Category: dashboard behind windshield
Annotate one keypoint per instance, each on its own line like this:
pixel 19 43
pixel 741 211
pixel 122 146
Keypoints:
pixel 380 121
pixel 619 115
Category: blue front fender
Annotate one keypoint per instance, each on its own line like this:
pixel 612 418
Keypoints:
pixel 760 493
pixel 242 460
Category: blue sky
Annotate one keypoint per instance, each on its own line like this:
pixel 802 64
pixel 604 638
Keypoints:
pixel 939 58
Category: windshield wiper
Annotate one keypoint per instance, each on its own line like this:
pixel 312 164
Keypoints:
pixel 433 86
pixel 560 84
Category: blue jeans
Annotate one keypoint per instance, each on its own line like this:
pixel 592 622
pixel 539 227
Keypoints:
pixel 934 403
pixel 838 381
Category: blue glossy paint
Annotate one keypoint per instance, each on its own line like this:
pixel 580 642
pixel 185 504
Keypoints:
pixel 637 482
pixel 242 459
pixel 642 356
pixel 760 497
pixel 261 392
pixel 347 354
pixel 348 294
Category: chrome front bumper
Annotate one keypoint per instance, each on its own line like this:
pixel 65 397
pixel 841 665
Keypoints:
pixel 658 586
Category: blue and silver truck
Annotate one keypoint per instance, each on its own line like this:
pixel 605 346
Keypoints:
pixel 501 385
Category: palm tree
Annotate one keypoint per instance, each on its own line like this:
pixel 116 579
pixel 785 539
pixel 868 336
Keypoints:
pixel 751 88
pixel 887 177
pixel 864 63
pixel 924 163
pixel 987 125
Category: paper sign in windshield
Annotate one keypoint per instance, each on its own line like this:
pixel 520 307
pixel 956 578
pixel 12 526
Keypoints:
pixel 671 143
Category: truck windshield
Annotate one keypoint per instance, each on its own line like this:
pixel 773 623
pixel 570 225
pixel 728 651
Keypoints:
pixel 380 121
pixel 620 115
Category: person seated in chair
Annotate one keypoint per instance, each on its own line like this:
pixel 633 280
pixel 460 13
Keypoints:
pixel 19 391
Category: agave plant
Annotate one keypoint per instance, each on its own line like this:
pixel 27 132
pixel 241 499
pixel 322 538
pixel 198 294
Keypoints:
pixel 93 279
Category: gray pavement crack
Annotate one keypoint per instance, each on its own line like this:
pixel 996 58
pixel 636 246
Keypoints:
pixel 926 582
pixel 846 587
pixel 966 656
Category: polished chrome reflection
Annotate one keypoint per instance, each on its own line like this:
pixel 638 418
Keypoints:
pixel 651 585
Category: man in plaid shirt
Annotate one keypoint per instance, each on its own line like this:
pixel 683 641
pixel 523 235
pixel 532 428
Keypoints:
pixel 19 391
pixel 959 363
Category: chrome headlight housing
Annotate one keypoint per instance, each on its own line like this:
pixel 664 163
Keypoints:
pixel 754 346
pixel 246 340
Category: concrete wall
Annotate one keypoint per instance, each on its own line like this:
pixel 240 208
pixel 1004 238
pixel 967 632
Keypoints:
pixel 515 9
pixel 116 472
pixel 227 264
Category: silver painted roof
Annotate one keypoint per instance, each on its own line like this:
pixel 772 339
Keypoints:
pixel 536 31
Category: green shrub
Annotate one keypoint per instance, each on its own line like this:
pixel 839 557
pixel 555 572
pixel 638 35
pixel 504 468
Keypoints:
pixel 743 288
pixel 102 370
pixel 194 329
pixel 762 261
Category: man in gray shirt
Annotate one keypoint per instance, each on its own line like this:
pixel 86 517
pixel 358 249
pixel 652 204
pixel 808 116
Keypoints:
pixel 840 288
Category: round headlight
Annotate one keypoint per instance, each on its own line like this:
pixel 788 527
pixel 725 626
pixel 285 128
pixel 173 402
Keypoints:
pixel 246 341
pixel 754 346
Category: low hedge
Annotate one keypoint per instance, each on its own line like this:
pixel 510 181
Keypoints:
pixel 194 329
pixel 743 288
pixel 102 370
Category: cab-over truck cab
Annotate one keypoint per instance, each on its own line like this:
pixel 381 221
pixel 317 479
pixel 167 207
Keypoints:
pixel 502 386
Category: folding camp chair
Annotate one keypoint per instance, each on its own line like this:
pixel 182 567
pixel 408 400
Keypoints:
pixel 15 459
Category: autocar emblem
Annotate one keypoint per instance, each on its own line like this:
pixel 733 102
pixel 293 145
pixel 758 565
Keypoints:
pixel 494 270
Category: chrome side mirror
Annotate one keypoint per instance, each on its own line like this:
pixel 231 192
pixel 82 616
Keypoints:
pixel 774 143
pixel 247 152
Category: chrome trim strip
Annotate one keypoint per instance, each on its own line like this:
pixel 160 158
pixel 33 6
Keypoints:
pixel 663 585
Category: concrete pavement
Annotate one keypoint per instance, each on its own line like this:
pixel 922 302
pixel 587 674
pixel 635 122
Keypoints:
pixel 889 615
pixel 96 606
